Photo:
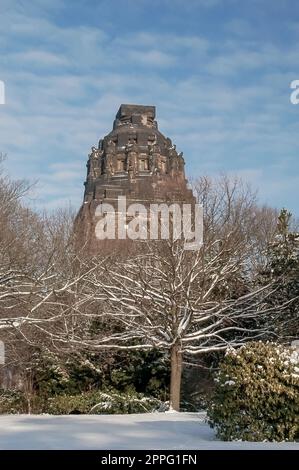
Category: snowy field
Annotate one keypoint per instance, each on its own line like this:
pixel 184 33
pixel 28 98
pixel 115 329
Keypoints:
pixel 139 431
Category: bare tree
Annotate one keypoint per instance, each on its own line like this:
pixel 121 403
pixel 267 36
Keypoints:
pixel 168 299
pixel 181 302
pixel 229 203
pixel 36 259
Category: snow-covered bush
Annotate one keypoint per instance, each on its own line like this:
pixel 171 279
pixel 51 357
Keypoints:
pixel 257 394
pixel 12 402
pixel 93 402
pixel 100 402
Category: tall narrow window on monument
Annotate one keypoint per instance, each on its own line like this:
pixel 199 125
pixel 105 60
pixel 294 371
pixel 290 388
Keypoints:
pixel 120 165
pixel 143 165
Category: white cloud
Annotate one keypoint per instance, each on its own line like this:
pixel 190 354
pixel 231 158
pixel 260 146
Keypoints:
pixel 169 42
pixel 239 27
pixel 41 58
pixel 152 58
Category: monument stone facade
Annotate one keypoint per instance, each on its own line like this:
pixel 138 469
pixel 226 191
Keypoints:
pixel 134 160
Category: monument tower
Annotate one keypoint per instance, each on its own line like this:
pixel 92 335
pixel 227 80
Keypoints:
pixel 134 160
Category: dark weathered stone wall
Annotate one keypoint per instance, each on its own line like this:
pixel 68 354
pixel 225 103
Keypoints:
pixel 134 160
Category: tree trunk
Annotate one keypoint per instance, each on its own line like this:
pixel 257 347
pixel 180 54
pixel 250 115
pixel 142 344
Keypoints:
pixel 176 376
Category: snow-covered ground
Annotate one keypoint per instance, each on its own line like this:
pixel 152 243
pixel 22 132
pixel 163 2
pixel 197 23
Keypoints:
pixel 139 431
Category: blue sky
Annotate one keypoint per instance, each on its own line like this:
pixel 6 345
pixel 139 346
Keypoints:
pixel 218 71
